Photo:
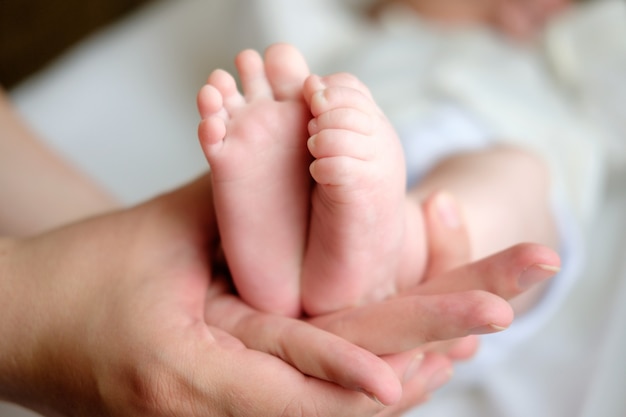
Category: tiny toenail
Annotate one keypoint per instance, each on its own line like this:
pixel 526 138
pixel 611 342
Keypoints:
pixel 313 126
pixel 319 96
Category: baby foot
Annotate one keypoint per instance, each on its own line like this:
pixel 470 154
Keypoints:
pixel 255 144
pixel 359 199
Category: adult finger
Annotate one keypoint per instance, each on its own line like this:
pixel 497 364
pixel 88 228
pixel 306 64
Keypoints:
pixel 311 350
pixel 406 322
pixel 448 239
pixel 326 356
pixel 506 274
pixel 460 349
pixel 435 370
pixel 253 383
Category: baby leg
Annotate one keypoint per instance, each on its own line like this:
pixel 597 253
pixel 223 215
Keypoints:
pixel 255 144
pixel 359 204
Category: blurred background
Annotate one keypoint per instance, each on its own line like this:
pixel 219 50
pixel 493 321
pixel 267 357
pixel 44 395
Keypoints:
pixel 111 85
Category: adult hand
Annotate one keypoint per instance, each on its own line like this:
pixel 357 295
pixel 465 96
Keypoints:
pixel 399 329
pixel 467 298
pixel 507 274
pixel 106 317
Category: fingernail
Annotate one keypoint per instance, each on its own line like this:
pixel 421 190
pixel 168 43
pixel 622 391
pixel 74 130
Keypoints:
pixel 448 210
pixel 371 397
pixel 313 126
pixel 536 273
pixel 413 367
pixel 489 328
pixel 439 379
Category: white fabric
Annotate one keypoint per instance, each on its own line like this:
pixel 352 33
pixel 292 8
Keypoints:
pixel 122 104
pixel 447 131
pixel 450 130
pixel 412 68
pixel 415 71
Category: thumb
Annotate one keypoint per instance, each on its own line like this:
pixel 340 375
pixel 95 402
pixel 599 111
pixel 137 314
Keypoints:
pixel 448 239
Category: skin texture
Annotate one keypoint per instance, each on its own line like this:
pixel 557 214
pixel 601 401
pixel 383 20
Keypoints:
pixel 356 227
pixel 361 222
pixel 128 314
pixel 124 317
pixel 500 211
pixel 343 235
pixel 134 331
pixel 255 144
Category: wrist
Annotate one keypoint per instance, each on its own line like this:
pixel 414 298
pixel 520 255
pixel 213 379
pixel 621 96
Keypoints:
pixel 29 371
pixel 11 341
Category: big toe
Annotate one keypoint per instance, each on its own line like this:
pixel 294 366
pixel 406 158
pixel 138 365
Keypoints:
pixel 286 71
